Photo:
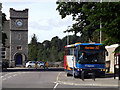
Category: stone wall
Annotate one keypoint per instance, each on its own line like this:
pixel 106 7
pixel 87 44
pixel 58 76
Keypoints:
pixel 0 24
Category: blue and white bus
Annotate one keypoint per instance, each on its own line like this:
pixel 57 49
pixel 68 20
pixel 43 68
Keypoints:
pixel 88 58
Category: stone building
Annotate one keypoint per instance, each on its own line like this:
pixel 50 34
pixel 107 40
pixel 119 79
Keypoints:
pixel 0 23
pixel 0 32
pixel 16 29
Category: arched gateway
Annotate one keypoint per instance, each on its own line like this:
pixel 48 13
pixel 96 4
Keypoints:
pixel 19 59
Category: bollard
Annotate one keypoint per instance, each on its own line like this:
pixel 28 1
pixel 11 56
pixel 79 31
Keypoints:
pixel 82 75
pixel 93 76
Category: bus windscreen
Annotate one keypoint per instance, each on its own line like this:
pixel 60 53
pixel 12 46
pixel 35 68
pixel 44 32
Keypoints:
pixel 91 54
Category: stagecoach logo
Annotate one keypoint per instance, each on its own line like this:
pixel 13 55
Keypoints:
pixel 89 66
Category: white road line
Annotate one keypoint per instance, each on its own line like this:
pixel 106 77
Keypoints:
pixel 57 81
pixel 58 76
pixel 79 84
pixel 7 77
pixel 10 75
pixel 6 74
pixel 14 74
pixel 55 86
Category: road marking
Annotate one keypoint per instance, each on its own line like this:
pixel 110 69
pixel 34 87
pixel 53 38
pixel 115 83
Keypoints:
pixel 55 86
pixel 13 74
pixel 57 81
pixel 81 84
pixel 6 74
pixel 92 84
pixel 58 76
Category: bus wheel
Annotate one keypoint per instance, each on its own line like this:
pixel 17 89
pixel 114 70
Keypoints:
pixel 41 66
pixel 76 76
pixel 29 66
pixel 68 74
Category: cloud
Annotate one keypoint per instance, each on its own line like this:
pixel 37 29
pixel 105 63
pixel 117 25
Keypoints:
pixel 46 29
pixel 28 1
pixel 49 24
pixel 44 20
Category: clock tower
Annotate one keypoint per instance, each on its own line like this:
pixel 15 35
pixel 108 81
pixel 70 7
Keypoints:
pixel 18 37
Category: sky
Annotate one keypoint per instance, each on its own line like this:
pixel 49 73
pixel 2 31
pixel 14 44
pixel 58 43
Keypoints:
pixel 44 20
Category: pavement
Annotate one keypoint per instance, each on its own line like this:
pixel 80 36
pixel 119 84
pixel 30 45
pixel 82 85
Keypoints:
pixel 105 82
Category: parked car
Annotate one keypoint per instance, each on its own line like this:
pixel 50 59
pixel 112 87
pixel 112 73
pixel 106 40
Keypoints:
pixel 41 64
pixel 31 64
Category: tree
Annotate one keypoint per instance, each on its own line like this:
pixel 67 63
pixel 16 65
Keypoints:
pixel 33 48
pixel 88 17
pixel 76 10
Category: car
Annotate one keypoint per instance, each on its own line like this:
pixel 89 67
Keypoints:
pixel 41 64
pixel 31 64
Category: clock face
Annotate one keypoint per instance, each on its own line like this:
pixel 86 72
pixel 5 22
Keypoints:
pixel 19 23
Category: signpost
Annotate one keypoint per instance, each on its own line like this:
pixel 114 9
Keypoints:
pixel 73 63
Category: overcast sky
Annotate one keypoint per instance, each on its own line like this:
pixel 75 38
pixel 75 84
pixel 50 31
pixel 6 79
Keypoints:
pixel 44 20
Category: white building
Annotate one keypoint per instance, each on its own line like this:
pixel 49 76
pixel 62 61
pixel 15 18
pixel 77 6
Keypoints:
pixel 110 59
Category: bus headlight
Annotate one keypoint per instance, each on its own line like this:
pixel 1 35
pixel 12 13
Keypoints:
pixel 102 69
pixel 79 69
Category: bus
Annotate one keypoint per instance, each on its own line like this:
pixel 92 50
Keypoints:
pixel 85 57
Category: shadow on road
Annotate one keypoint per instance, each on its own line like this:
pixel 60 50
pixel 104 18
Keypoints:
pixel 31 69
pixel 107 75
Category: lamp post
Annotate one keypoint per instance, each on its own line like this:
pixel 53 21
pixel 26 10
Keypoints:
pixel 67 35
pixel 68 38
pixel 100 31
pixel 100 26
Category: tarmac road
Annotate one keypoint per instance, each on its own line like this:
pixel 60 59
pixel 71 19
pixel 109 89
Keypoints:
pixel 54 79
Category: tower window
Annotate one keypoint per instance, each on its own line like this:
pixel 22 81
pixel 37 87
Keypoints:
pixel 19 48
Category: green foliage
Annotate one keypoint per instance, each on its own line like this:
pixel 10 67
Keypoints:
pixel 33 49
pixel 51 50
pixel 89 15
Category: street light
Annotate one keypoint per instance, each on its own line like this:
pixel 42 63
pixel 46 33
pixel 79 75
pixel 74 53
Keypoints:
pixel 100 27
pixel 100 31
pixel 67 35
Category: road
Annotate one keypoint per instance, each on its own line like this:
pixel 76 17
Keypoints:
pixel 53 79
